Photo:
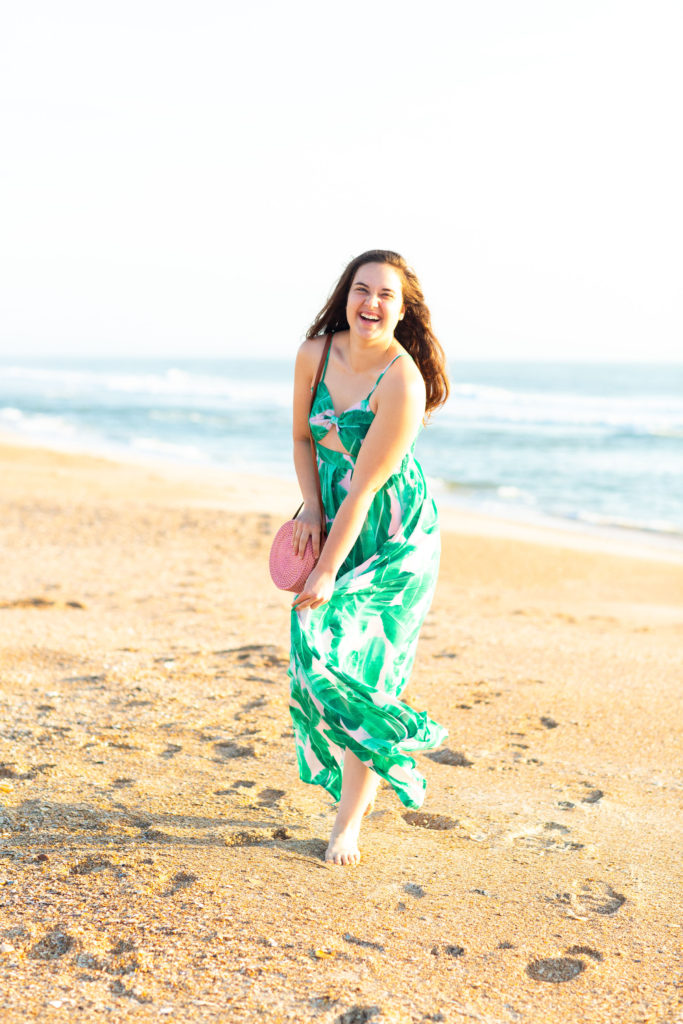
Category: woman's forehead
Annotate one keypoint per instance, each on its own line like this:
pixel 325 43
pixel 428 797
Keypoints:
pixel 379 274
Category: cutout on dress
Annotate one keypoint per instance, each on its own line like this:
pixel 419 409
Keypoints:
pixel 334 430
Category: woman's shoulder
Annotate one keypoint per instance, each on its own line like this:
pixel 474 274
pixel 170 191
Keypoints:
pixel 311 349
pixel 402 381
pixel 404 372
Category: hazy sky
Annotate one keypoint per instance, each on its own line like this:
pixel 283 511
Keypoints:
pixel 191 177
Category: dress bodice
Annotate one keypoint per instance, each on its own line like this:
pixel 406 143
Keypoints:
pixel 352 424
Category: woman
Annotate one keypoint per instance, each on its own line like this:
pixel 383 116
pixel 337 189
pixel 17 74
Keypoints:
pixel 356 622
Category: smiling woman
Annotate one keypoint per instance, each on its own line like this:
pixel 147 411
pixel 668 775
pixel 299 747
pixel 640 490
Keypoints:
pixel 356 622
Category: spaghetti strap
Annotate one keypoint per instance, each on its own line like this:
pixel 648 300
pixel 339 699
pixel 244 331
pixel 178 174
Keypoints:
pixel 384 371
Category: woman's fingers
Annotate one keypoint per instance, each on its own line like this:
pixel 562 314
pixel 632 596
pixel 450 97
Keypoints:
pixel 307 600
pixel 300 538
pixel 298 541
pixel 317 590
pixel 300 600
pixel 303 599
pixel 303 541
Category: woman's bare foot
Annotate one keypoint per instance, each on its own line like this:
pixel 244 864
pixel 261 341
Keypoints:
pixel 359 787
pixel 343 847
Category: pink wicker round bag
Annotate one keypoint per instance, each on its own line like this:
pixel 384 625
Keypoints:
pixel 288 570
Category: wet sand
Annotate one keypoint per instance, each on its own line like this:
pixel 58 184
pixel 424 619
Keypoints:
pixel 159 857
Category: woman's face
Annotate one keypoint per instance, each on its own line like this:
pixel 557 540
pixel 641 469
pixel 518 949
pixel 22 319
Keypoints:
pixel 375 301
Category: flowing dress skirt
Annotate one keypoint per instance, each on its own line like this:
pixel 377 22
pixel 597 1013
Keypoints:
pixel 352 657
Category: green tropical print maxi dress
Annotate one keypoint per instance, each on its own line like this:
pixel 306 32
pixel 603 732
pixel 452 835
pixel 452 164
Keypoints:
pixel 352 657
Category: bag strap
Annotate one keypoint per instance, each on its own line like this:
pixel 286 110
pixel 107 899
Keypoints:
pixel 314 389
pixel 321 366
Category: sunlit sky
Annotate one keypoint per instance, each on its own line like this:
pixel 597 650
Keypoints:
pixel 190 178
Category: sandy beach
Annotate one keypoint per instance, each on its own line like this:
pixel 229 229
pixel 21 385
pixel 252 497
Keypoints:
pixel 159 857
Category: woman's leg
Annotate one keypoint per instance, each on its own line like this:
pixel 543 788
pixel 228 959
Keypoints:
pixel 359 785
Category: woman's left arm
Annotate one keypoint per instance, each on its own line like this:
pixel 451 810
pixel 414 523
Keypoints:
pixel 400 411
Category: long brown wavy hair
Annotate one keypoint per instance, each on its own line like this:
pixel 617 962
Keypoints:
pixel 414 331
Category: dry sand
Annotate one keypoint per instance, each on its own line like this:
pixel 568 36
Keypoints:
pixel 160 858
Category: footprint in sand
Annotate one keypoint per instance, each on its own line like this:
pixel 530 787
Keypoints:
pixel 155 835
pixel 594 897
pixel 171 749
pixel 181 880
pixel 40 602
pixel 137 821
pixel 594 954
pixel 28 602
pixel 555 969
pixel 453 951
pixel 91 864
pixel 599 898
pixel 270 797
pixel 581 792
pixel 228 749
pixel 358 1015
pixel 450 757
pixel 117 988
pixel 255 656
pixel 545 838
pixel 122 783
pixel 438 822
pixel 122 959
pixel 245 838
pixel 252 705
pixel 364 943
pixel 593 797
pixel 252 838
pixel 53 945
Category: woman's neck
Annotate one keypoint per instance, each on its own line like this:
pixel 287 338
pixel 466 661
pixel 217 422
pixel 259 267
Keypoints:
pixel 363 354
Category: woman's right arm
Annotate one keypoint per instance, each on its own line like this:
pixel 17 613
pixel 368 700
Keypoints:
pixel 308 522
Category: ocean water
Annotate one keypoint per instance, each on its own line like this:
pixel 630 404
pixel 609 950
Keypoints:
pixel 595 446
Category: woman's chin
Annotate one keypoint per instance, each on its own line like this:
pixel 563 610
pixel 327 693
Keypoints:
pixel 370 329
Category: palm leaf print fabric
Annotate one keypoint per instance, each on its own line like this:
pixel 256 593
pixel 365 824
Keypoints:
pixel 351 658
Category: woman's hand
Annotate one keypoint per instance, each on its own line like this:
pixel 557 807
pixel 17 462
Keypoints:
pixel 317 590
pixel 307 524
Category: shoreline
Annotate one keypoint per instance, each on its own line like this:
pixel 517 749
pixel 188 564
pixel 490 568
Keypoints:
pixel 281 494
